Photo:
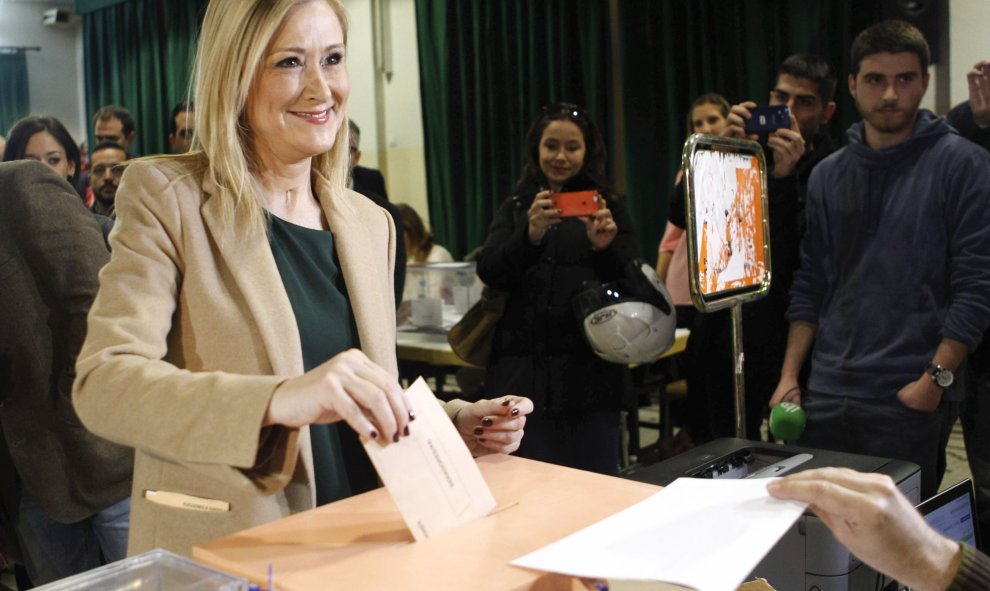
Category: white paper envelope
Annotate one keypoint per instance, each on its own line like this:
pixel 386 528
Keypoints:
pixel 431 474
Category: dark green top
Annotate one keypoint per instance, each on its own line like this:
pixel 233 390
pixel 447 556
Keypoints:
pixel 308 265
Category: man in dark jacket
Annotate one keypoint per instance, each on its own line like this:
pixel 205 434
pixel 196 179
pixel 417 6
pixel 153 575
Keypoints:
pixel 805 83
pixel 381 201
pixel 66 492
pixel 972 119
pixel 894 285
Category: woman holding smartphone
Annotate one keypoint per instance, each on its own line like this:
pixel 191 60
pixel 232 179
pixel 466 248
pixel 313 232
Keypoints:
pixel 541 259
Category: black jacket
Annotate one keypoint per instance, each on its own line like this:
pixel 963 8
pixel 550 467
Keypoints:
pixel 540 350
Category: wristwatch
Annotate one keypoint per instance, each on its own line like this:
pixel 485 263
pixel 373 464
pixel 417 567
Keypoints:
pixel 942 377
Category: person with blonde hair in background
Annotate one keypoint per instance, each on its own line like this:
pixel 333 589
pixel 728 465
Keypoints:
pixel 247 311
pixel 707 115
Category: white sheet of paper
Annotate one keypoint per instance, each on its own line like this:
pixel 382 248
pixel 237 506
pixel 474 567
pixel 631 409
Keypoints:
pixel 699 533
pixel 430 474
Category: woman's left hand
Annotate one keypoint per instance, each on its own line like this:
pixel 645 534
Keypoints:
pixel 601 229
pixel 493 426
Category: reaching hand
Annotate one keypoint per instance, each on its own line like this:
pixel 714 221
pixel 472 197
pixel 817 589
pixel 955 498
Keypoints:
pixel 350 387
pixel 542 215
pixel 493 426
pixel 979 92
pixel 871 518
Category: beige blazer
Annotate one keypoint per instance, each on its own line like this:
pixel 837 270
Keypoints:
pixel 188 338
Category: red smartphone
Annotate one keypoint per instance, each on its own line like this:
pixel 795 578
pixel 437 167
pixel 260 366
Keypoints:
pixel 577 203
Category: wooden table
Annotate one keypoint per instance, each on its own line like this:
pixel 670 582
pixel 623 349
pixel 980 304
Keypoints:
pixel 361 543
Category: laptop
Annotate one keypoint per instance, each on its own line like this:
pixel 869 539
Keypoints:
pixel 952 513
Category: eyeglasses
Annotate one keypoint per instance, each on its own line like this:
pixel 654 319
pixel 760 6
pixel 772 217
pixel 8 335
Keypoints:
pixel 116 170
pixel 570 109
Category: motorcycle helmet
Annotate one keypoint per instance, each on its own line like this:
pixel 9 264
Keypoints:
pixel 629 321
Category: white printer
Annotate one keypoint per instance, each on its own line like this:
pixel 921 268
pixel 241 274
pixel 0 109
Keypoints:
pixel 808 557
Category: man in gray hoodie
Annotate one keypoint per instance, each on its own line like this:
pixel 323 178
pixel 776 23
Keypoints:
pixel 894 286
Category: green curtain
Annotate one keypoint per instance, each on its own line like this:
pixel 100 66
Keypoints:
pixel 486 68
pixel 15 102
pixel 139 54
pixel 673 51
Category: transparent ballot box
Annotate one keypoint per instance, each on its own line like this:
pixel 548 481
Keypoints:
pixel 438 294
pixel 157 570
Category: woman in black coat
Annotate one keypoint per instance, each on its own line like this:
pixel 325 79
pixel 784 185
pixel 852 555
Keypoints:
pixel 542 259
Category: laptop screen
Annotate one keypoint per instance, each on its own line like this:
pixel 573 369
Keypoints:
pixel 952 513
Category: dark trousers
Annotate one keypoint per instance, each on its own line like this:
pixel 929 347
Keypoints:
pixel 975 418
pixel 585 440
pixel 882 427
pixel 711 408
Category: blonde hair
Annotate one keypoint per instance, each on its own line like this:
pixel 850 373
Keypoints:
pixel 233 42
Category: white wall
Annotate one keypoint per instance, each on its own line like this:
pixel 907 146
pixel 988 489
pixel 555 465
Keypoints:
pixel 388 109
pixel 55 72
pixel 969 42
pixel 360 66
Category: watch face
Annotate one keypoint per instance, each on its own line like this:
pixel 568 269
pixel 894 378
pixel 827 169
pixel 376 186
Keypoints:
pixel 944 378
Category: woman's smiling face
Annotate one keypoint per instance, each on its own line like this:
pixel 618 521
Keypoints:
pixel 297 102
pixel 562 151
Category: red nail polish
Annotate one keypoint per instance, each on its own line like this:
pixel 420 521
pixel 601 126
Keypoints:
pixel 412 416
pixel 395 438
pixel 478 430
pixel 487 421
pixel 374 434
pixel 506 402
pixel 515 412
pixel 406 431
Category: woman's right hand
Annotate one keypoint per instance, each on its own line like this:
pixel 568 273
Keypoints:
pixel 542 215
pixel 350 387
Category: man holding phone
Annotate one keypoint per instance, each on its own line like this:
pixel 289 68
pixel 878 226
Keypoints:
pixel 805 84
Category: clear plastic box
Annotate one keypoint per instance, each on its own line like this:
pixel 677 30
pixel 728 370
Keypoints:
pixel 440 293
pixel 157 570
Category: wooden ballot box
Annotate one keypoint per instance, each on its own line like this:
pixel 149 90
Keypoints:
pixel 362 543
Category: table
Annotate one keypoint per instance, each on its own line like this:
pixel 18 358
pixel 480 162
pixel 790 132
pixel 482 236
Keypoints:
pixel 427 346
pixel 361 543
pixel 431 346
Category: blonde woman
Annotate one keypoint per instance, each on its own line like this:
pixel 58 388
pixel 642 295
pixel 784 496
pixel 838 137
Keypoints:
pixel 248 303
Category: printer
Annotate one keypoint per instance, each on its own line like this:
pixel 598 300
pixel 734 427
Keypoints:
pixel 808 556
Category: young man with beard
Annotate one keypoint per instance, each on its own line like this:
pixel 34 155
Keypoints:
pixel 894 285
